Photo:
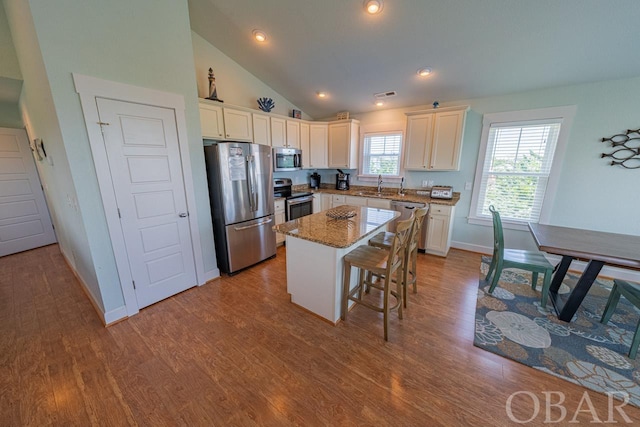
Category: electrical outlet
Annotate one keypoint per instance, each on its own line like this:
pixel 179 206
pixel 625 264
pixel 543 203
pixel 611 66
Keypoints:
pixel 467 186
pixel 425 183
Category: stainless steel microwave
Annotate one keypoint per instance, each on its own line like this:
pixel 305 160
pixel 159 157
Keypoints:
pixel 286 159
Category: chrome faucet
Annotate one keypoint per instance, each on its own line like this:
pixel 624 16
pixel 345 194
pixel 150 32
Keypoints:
pixel 401 191
pixel 379 184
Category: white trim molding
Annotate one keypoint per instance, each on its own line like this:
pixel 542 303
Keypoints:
pixel 90 88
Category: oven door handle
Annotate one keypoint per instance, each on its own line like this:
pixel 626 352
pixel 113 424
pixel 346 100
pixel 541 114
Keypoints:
pixel 299 200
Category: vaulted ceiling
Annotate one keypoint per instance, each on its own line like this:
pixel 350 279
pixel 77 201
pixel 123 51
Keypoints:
pixel 476 48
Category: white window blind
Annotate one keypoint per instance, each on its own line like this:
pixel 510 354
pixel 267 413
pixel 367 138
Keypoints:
pixel 381 153
pixel 516 169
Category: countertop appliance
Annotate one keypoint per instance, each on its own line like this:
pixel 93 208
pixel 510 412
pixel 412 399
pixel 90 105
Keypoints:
pixel 297 204
pixel 241 195
pixel 441 192
pixel 286 159
pixel 342 180
pixel 406 209
pixel 314 180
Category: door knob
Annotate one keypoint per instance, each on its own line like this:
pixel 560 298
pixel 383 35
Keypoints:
pixel 183 214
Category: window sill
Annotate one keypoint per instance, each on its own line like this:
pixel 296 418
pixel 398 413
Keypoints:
pixel 487 222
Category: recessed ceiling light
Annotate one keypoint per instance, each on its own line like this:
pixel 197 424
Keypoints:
pixel 373 6
pixel 424 72
pixel 321 94
pixel 379 103
pixel 259 35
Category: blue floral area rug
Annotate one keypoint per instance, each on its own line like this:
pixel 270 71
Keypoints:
pixel 512 324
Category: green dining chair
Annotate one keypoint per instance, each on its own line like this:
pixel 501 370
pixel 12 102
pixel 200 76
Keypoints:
pixel 533 261
pixel 631 292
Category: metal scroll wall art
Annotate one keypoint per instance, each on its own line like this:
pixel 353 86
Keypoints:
pixel 627 149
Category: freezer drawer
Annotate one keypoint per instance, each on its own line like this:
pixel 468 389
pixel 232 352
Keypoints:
pixel 250 242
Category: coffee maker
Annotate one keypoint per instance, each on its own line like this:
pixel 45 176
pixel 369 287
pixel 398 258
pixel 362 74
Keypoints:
pixel 342 180
pixel 314 180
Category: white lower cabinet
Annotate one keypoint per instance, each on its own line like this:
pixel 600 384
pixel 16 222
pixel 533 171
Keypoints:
pixel 280 218
pixel 317 203
pixel 355 201
pixel 338 200
pixel 326 201
pixel 439 229
pixel 379 203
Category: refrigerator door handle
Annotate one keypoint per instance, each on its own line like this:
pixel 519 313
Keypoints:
pixel 258 224
pixel 253 194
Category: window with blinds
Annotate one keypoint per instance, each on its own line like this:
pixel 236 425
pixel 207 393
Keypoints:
pixel 516 169
pixel 381 153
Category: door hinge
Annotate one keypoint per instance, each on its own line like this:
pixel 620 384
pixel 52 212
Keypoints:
pixel 119 216
pixel 134 284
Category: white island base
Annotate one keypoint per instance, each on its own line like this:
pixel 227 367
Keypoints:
pixel 315 274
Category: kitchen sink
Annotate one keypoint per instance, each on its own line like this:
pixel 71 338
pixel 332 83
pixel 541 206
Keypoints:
pixel 369 194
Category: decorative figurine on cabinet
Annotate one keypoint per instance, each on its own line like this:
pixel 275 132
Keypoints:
pixel 213 91
pixel 266 104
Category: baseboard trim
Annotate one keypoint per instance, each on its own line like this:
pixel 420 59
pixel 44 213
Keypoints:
pixel 108 318
pixel 210 275
pixel 579 266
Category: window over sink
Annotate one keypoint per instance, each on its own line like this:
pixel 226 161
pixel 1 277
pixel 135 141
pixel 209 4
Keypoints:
pixel 382 154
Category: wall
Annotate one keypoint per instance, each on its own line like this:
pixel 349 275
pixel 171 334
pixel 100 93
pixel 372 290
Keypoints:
pixel 10 115
pixel 234 84
pixel 145 43
pixel 591 194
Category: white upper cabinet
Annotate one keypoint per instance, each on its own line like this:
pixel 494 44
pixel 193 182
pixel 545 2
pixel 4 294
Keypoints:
pixel 278 132
pixel 238 125
pixel 211 121
pixel 343 144
pixel 318 149
pixel 261 129
pixel 434 139
pixel 293 133
pixel 304 144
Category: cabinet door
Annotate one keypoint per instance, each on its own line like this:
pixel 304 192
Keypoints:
pixel 379 203
pixel 238 125
pixel 447 140
pixel 279 217
pixel 339 145
pixel 326 202
pixel 338 200
pixel 356 201
pixel 317 202
pixel 318 146
pixel 304 145
pixel 278 132
pixel 261 129
pixel 439 227
pixel 211 121
pixel 419 134
pixel 293 134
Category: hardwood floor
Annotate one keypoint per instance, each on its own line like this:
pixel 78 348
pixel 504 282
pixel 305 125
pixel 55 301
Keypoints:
pixel 237 352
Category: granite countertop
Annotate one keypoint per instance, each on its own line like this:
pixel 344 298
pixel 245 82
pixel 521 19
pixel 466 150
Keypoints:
pixel 337 233
pixel 410 195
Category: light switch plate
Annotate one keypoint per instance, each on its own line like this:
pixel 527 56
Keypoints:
pixel 468 186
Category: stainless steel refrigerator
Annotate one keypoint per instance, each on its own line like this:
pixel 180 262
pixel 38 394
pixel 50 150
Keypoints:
pixel 240 179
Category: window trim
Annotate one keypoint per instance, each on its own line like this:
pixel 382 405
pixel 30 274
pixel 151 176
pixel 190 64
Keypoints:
pixel 376 130
pixel 563 113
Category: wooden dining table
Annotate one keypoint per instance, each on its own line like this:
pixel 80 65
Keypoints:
pixel 596 247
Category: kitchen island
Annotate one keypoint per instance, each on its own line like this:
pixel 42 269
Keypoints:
pixel 316 245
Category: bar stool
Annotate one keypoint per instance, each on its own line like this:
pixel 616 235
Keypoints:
pixel 383 240
pixel 382 263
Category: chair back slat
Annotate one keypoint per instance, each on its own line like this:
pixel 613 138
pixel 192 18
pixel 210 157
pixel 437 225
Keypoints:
pixel 498 236
pixel 398 246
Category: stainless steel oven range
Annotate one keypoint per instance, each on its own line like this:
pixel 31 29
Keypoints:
pixel 297 204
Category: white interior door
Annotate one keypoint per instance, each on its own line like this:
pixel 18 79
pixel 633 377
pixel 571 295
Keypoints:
pixel 144 160
pixel 24 218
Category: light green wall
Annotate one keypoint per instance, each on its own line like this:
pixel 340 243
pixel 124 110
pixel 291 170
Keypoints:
pixel 41 121
pixel 591 194
pixel 9 66
pixel 145 43
pixel 235 84
pixel 10 115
